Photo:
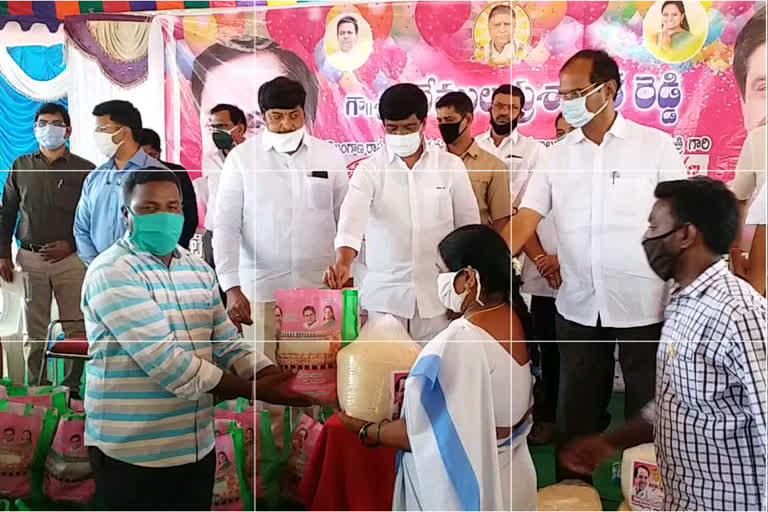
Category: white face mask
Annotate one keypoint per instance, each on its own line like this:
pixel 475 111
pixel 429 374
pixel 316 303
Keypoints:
pixel 104 143
pixel 403 145
pixel 283 142
pixel 51 137
pixel 576 112
pixel 447 292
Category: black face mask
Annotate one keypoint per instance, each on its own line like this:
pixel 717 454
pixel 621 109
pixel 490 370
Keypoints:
pixel 662 262
pixel 450 131
pixel 502 129
pixel 223 140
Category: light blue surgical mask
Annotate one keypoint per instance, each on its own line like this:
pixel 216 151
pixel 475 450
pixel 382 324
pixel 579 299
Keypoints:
pixel 576 113
pixel 50 136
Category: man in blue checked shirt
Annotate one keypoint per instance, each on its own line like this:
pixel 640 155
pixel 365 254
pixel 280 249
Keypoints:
pixel 98 223
pixel 708 417
pixel 161 346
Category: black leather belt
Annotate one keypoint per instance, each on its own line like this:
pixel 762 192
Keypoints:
pixel 32 247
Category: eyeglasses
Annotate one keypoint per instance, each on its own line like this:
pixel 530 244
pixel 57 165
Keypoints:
pixel 501 106
pixel 104 128
pixel 574 95
pixel 42 123
pixel 219 127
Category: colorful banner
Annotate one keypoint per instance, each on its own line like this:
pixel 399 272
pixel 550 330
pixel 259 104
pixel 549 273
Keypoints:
pixel 677 67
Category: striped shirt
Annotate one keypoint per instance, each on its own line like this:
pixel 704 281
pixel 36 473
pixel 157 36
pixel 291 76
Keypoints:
pixel 709 420
pixel 158 339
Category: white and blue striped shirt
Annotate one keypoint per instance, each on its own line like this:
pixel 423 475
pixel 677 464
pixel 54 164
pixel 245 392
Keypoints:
pixel 158 337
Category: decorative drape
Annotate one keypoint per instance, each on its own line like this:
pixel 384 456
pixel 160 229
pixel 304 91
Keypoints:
pixel 89 86
pixel 122 42
pixel 23 77
pixel 117 42
pixel 31 65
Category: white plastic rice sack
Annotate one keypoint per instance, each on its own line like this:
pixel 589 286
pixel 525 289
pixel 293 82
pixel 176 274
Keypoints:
pixel 371 372
pixel 640 478
pixel 572 495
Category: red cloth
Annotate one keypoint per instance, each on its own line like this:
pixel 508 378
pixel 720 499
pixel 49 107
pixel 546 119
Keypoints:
pixel 342 474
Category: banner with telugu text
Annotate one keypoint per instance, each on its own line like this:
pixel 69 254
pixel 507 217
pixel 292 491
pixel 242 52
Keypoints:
pixel 678 79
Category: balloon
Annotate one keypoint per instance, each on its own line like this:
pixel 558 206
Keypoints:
pixel 628 12
pixel 734 8
pixel 393 60
pixel 586 13
pixel 642 6
pixel 282 24
pixel 436 20
pixel 404 30
pixel 312 23
pixel 199 32
pixel 730 34
pixel 380 17
pixel 380 83
pixel 716 26
pixel 564 38
pixel 327 69
pixel 545 15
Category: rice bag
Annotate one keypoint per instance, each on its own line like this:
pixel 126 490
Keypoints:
pixel 244 414
pixel 68 475
pixel 56 397
pixel 305 433
pixel 273 442
pixel 229 486
pixel 27 431
pixel 306 314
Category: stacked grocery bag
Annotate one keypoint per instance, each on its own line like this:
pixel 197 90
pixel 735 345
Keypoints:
pixel 43 458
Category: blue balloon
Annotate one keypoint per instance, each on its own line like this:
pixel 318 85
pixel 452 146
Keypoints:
pixel 716 26
pixel 328 70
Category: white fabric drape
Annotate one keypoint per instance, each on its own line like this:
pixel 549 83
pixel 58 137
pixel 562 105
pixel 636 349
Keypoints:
pixel 122 41
pixel 89 86
pixel 40 90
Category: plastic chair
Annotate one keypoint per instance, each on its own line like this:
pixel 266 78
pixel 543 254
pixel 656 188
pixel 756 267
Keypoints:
pixel 70 349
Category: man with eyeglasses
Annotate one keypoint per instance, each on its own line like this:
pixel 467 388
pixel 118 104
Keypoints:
pixel 45 204
pixel 597 185
pixel 98 223
pixel 227 126
pixel 278 206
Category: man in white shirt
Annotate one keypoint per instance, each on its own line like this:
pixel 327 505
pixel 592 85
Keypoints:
pixel 501 49
pixel 597 184
pixel 403 200
pixel 227 126
pixel 276 216
pixel 504 140
pixel 349 57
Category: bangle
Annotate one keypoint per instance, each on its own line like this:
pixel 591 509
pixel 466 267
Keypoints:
pixel 537 258
pixel 378 431
pixel 364 432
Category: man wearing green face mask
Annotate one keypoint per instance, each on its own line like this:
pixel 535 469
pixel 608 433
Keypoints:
pixel 227 125
pixel 153 314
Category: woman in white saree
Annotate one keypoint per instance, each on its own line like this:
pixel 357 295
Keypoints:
pixel 457 429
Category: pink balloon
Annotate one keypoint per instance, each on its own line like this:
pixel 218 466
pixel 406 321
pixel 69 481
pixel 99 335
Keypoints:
pixel 281 24
pixel 734 8
pixel 586 13
pixel 730 33
pixel 312 23
pixel 435 20
pixel 393 60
